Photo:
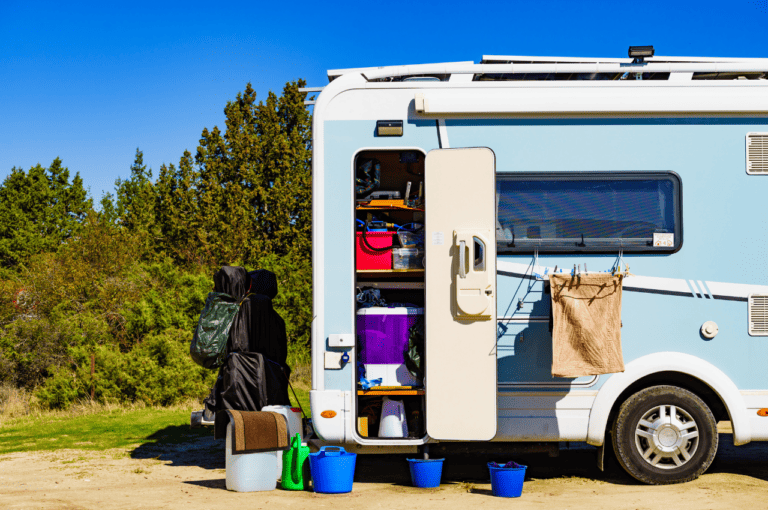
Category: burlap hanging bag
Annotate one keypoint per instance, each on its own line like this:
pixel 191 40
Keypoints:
pixel 586 332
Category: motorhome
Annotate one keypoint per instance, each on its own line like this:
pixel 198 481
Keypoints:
pixel 445 196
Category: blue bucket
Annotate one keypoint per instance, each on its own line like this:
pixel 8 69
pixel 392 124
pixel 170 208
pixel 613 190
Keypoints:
pixel 333 470
pixel 507 482
pixel 426 473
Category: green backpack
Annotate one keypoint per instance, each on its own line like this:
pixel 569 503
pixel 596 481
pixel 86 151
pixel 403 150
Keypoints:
pixel 210 340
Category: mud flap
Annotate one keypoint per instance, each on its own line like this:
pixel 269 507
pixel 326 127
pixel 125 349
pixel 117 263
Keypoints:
pixel 601 457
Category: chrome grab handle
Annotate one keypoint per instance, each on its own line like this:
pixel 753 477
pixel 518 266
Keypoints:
pixel 462 259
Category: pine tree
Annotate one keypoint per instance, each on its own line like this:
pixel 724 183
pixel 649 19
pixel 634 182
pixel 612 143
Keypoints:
pixel 39 210
pixel 186 220
pixel 108 212
pixel 254 193
pixel 136 200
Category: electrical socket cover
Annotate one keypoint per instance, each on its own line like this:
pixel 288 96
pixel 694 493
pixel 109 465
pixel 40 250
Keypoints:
pixel 333 360
pixel 341 340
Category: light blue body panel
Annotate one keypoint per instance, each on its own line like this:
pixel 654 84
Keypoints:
pixel 725 234
pixel 343 139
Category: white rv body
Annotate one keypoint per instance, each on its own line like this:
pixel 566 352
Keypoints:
pixel 697 126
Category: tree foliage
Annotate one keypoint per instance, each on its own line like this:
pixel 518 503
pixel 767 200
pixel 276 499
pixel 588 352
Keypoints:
pixel 39 210
pixel 125 284
pixel 136 203
pixel 255 178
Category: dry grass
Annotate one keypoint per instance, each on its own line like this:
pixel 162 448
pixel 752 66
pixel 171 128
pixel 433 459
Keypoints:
pixel 14 402
pixel 300 361
pixel 301 377
pixel 18 403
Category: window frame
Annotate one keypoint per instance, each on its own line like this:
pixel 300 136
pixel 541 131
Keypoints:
pixel 504 246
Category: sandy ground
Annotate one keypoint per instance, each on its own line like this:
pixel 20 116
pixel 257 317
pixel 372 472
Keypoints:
pixel 192 476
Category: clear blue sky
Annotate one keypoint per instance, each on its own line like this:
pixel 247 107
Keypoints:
pixel 91 82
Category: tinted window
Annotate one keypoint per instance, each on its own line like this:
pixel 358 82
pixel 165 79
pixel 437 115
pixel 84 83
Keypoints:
pixel 588 211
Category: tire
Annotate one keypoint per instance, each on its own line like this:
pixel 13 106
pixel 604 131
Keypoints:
pixel 664 435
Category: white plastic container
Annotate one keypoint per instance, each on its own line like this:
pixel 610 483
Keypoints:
pixel 293 421
pixel 249 472
pixel 393 423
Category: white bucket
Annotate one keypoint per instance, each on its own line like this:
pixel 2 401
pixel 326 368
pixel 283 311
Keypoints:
pixel 248 472
pixel 393 423
pixel 293 421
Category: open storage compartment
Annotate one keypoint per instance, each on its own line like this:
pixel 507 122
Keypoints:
pixel 389 286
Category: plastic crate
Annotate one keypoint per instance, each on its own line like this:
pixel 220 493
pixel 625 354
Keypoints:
pixel 368 259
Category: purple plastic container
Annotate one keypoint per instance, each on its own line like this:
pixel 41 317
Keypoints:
pixel 383 333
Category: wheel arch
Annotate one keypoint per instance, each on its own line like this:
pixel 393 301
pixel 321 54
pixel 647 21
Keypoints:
pixel 678 369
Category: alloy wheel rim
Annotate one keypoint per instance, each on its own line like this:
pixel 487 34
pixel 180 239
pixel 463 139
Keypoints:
pixel 667 437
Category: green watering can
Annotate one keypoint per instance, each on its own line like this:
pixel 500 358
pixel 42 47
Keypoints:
pixel 296 466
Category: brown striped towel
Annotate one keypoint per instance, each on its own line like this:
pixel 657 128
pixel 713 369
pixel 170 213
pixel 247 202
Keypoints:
pixel 258 431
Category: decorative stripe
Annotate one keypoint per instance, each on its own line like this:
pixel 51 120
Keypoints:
pixel 655 284
pixel 734 291
pixel 704 289
pixel 696 292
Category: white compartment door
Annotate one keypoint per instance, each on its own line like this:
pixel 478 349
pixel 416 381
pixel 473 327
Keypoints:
pixel 460 188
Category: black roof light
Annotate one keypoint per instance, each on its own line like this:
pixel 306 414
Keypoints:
pixel 639 53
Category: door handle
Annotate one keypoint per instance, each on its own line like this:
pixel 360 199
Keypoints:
pixel 462 259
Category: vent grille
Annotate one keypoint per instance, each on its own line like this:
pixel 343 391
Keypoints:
pixel 758 315
pixel 757 153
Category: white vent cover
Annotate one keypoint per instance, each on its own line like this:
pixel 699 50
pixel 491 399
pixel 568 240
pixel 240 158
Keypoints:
pixel 757 153
pixel 758 315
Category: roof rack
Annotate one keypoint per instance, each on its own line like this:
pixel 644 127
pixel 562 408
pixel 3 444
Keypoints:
pixel 530 68
pixel 512 59
pixel 335 73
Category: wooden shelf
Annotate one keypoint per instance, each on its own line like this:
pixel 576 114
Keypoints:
pixel 382 393
pixel 387 208
pixel 389 272
pixel 391 285
pixel 383 205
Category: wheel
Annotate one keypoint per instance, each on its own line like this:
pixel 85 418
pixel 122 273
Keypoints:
pixel 665 434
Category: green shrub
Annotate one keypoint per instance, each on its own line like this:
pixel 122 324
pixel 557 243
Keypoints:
pixel 174 300
pixel 157 371
pixel 97 296
pixel 29 348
